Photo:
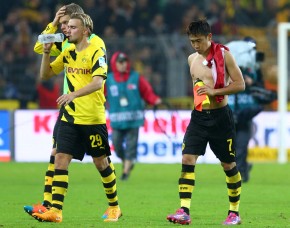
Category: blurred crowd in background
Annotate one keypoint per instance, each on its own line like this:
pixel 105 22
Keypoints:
pixel 152 32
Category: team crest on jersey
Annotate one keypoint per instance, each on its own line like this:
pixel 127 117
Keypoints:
pixel 102 62
pixel 84 60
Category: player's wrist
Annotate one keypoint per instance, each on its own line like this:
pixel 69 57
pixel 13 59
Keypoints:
pixel 55 22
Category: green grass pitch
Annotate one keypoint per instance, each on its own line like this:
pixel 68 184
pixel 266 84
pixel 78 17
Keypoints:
pixel 148 196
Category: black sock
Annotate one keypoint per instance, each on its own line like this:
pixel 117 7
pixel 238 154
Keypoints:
pixel 236 212
pixel 185 209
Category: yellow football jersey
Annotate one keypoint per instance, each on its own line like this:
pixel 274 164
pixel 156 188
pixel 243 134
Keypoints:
pixel 80 68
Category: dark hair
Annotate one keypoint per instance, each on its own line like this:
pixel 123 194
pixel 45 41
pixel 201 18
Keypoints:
pixel 73 8
pixel 198 27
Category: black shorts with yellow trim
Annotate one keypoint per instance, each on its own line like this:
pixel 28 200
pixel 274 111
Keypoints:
pixel 215 127
pixel 78 140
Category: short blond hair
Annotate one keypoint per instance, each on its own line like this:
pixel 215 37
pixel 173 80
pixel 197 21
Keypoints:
pixel 73 8
pixel 86 21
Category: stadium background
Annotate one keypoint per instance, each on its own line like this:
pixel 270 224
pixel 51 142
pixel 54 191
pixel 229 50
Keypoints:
pixel 151 32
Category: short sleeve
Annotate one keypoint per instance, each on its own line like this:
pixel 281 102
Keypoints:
pixel 100 66
pixel 57 65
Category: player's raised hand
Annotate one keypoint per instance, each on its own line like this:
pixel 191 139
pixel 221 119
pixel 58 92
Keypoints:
pixel 47 47
pixel 58 15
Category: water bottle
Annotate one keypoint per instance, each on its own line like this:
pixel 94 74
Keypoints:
pixel 50 38
pixel 199 82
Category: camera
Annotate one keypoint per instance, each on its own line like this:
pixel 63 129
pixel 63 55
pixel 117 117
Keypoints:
pixel 262 95
pixel 260 56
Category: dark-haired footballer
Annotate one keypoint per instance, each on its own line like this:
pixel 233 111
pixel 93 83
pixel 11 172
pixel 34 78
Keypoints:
pixel 214 124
